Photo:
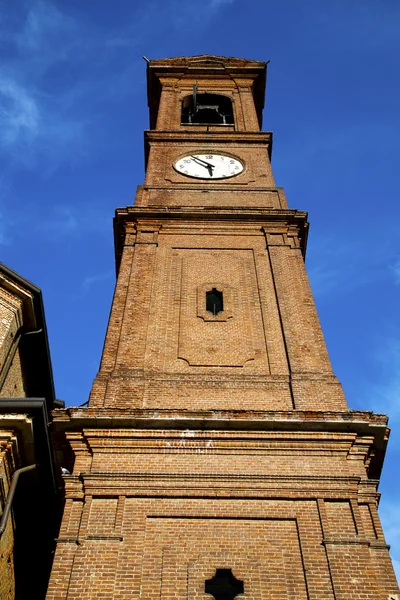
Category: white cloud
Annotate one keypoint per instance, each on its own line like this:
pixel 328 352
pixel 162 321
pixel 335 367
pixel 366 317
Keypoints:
pixel 41 119
pixel 395 269
pixel 10 213
pixel 4 237
pixel 220 3
pixel 341 265
pixel 47 34
pixel 361 22
pixel 65 222
pixel 163 19
pixel 389 512
pixel 41 18
pixel 334 266
pixel 34 124
pixel 31 128
pixel 386 396
pixel 19 114
pixel 92 280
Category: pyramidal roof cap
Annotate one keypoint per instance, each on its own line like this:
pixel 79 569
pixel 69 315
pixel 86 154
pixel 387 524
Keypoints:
pixel 207 59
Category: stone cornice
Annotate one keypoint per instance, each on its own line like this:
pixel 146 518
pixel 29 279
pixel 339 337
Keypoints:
pixel 209 137
pixel 352 420
pixel 208 60
pixel 293 487
pixel 210 213
pixel 370 428
pixel 158 217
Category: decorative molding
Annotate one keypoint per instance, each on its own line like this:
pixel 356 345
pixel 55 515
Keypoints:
pixel 147 234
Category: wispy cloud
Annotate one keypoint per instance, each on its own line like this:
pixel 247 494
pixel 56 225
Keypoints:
pixel 46 114
pixel 4 236
pixel 364 22
pixel 63 222
pixel 33 123
pixel 395 269
pixel 341 267
pixel 389 513
pixel 385 394
pixel 10 214
pixel 68 222
pixel 91 283
pixel 47 33
pixel 31 130
pixel 348 263
pixel 93 280
pixel 158 17
pixel 217 4
pixel 19 114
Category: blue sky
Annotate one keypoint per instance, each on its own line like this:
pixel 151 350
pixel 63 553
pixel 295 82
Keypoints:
pixel 72 113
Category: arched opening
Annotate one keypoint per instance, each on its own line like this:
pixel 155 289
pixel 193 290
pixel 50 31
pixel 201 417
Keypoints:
pixel 207 109
pixel 224 585
pixel 214 301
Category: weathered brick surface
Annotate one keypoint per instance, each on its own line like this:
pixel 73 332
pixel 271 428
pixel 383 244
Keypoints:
pixel 217 441
pixel 159 352
pixel 15 312
pixel 11 320
pixel 8 458
pixel 141 546
pixel 284 499
pixel 14 382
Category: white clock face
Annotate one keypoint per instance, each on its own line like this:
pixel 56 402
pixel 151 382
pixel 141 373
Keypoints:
pixel 208 166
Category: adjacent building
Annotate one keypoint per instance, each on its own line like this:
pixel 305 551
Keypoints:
pixel 30 506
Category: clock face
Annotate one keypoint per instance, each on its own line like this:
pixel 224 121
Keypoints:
pixel 208 166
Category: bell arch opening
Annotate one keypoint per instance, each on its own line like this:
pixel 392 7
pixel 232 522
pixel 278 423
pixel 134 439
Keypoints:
pixel 207 109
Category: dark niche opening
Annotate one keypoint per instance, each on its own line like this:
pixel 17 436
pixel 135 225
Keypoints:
pixel 214 301
pixel 207 109
pixel 224 585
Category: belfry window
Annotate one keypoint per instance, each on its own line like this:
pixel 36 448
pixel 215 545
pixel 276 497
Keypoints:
pixel 206 109
pixel 224 585
pixel 214 301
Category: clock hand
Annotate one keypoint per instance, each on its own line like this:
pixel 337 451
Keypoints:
pixel 202 162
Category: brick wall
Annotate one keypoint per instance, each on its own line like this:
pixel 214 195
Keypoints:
pixel 269 353
pixel 9 460
pixel 153 513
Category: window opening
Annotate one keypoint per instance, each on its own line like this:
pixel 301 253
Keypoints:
pixel 206 109
pixel 214 301
pixel 224 585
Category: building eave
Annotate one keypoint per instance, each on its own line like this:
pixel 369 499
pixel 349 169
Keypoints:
pixel 362 423
pixel 39 369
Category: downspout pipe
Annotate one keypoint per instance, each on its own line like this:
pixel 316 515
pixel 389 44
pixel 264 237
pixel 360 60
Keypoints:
pixel 11 494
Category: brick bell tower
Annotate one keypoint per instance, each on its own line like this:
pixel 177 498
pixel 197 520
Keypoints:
pixel 217 456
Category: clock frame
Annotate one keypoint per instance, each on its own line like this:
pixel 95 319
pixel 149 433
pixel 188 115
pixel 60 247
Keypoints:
pixel 208 165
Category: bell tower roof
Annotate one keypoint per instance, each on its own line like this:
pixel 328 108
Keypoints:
pixel 205 66
pixel 208 60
